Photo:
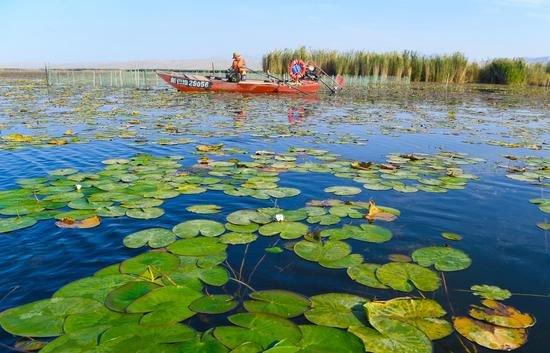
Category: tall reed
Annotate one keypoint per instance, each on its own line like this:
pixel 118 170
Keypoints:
pixel 453 68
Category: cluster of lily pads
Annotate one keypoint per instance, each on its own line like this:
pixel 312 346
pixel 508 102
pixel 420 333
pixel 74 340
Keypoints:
pixel 136 187
pixel 141 303
pixel 535 171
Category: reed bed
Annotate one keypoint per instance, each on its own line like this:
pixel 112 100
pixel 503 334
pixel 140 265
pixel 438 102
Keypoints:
pixel 409 65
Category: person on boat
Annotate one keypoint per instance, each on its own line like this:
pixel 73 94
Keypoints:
pixel 238 69
pixel 312 72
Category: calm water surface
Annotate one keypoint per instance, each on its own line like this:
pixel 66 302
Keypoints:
pixel 493 214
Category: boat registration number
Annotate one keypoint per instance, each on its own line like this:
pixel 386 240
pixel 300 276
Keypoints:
pixel 190 83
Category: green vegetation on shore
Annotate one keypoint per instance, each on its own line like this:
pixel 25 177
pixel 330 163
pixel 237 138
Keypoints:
pixel 453 68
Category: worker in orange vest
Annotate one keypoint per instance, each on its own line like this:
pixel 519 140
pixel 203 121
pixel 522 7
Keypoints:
pixel 238 67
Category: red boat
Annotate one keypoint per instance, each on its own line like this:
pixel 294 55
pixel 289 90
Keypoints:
pixel 196 83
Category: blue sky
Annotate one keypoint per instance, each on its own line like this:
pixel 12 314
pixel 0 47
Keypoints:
pixel 64 31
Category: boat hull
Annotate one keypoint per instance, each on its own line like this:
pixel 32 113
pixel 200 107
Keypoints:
pixel 184 84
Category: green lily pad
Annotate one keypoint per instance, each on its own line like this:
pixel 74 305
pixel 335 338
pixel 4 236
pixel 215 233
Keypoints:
pixel 119 298
pixel 405 276
pixel 443 258
pixel 317 339
pixel 154 237
pixel 165 305
pixel 319 252
pixel 246 217
pixel 325 219
pixel 346 211
pixel 233 238
pixel 204 209
pixel 490 292
pixel 392 336
pixel 199 246
pixel 213 304
pixel 424 314
pixel 365 274
pixel 159 261
pixel 262 329
pixel 212 275
pixel 336 310
pixel 95 287
pixel 277 302
pixel 99 319
pixel 343 190
pixel 15 223
pixel 205 344
pixel 44 318
pixel 145 213
pixel 249 228
pixel 451 236
pixel 274 250
pixel 196 227
pixel 286 230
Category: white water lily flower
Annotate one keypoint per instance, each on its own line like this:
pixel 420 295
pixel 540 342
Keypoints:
pixel 279 217
pixel 78 187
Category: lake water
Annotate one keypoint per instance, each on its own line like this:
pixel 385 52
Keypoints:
pixel 492 213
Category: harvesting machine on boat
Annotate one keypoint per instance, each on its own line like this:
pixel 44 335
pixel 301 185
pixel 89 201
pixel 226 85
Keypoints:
pixel 303 80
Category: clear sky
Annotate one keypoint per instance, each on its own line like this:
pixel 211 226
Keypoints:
pixel 73 31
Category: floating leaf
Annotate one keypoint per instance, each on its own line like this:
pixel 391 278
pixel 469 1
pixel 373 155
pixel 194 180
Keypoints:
pixel 317 339
pixel 44 318
pixel 343 190
pixel 490 336
pixel 196 227
pixel 332 250
pixel 365 274
pixel 238 238
pixel 501 315
pixel 145 213
pixel 424 314
pixel 443 258
pixel 154 237
pixel 205 344
pixel 274 250
pixel 490 292
pixel 402 276
pixel 246 217
pixel 204 209
pixel 451 236
pixel 262 329
pixel 286 230
pixel 199 246
pixel 15 223
pixel 159 261
pixel 277 302
pixel 96 287
pixel 213 304
pixel 335 310
pixel 392 336
pixel 119 298
pixel 165 305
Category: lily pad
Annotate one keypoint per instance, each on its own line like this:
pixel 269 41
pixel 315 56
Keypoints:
pixel 490 336
pixel 490 292
pixel 277 302
pixel 259 328
pixel 286 230
pixel 424 314
pixel 145 213
pixel 246 217
pixel 343 190
pixel 336 310
pixel 44 318
pixel 365 274
pixel 318 339
pixel 15 223
pixel 159 261
pixel 451 236
pixel 443 258
pixel 204 209
pixel 213 304
pixel 196 227
pixel 405 276
pixel 199 246
pixel 95 287
pixel 318 252
pixel 392 336
pixel 154 237
pixel 119 298
pixel 501 315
